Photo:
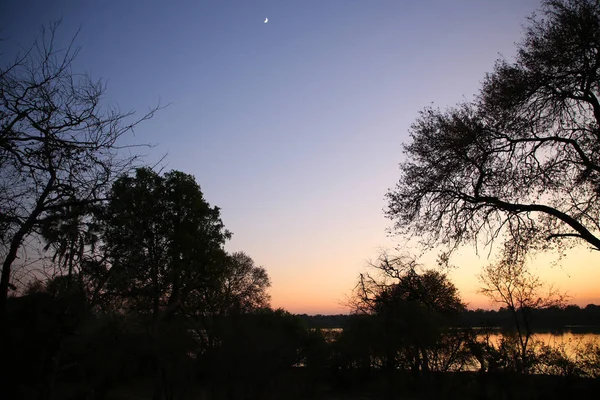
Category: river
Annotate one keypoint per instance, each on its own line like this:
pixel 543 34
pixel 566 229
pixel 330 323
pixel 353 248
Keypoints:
pixel 567 340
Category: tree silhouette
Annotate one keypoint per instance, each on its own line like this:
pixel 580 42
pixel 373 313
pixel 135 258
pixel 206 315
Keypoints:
pixel 242 286
pixel 59 148
pixel 522 161
pixel 165 248
pixel 522 293
pixel 74 237
pixel 164 240
pixel 415 310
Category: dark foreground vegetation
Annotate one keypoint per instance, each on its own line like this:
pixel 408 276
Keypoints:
pixel 60 351
pixel 116 283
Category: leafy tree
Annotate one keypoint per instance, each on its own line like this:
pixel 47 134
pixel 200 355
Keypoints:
pixel 242 288
pixel 59 148
pixel 74 236
pixel 416 308
pixel 165 248
pixel 164 240
pixel 521 162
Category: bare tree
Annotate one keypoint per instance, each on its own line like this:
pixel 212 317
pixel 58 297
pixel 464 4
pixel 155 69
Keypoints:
pixel 513 286
pixel 521 163
pixel 59 148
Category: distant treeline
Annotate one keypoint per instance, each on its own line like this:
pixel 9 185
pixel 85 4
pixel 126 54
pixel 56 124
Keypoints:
pixel 573 317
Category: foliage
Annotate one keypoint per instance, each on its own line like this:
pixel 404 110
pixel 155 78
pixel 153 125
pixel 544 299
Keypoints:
pixel 413 311
pixel 165 242
pixel 556 360
pixel 588 357
pixel 520 163
pixel 142 287
pixel 397 280
pixel 152 255
pixel 74 236
pixel 242 286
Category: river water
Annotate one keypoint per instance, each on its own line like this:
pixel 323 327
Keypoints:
pixel 567 340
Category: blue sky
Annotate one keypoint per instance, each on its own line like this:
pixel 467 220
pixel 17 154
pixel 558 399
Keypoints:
pixel 294 127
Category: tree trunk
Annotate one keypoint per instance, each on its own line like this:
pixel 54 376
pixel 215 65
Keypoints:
pixel 16 243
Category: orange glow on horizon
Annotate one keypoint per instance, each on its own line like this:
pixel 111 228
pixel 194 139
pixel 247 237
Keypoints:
pixel 313 292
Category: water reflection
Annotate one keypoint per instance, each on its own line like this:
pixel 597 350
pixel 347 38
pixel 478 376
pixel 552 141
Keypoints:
pixel 569 340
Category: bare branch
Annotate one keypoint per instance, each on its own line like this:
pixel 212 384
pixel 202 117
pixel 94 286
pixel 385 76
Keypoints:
pixel 59 148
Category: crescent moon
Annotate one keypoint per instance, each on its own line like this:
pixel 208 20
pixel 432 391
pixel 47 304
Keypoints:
pixel 266 20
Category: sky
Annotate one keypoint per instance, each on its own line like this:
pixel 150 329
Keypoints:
pixel 294 128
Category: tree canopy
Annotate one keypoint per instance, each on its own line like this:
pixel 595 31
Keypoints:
pixel 163 238
pixel 242 286
pixel 412 311
pixel 520 163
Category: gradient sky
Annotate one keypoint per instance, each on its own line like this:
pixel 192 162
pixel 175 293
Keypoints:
pixel 294 127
